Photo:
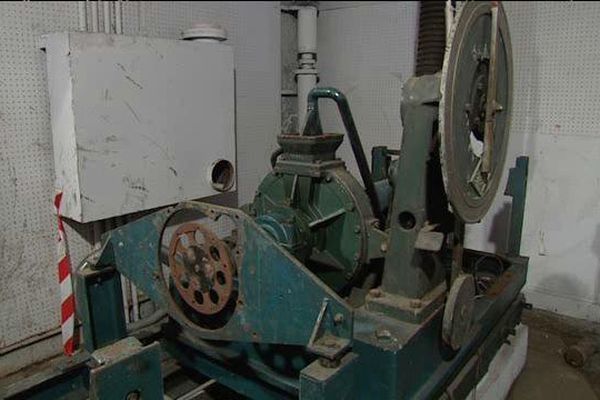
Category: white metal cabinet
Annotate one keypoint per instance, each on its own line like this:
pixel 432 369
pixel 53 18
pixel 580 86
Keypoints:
pixel 138 122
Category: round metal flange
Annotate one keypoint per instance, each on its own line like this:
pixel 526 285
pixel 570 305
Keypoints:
pixel 458 312
pixel 206 32
pixel 201 268
pixel 475 108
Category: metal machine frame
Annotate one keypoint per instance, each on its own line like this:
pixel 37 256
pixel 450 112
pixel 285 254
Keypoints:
pixel 359 352
pixel 395 313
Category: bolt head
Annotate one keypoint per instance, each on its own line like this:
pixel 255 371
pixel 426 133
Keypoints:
pixel 375 292
pixel 338 318
pixel 383 247
pixel 415 303
pixel 383 334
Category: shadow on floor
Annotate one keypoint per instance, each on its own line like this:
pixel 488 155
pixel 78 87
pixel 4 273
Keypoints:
pixel 546 375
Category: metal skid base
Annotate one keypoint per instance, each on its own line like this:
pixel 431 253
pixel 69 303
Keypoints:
pixel 401 360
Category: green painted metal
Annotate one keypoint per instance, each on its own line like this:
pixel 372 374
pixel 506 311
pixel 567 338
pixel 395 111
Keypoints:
pixel 322 382
pixel 380 163
pixel 127 370
pixel 65 378
pixel 313 207
pixel 237 371
pixel 272 282
pixel 326 226
pixel 99 306
pixel 516 187
pixel 313 127
pixel 404 272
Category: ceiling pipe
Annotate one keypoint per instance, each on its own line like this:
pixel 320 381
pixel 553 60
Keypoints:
pixel 95 21
pixel 306 74
pixel 106 16
pixel 81 7
pixel 119 17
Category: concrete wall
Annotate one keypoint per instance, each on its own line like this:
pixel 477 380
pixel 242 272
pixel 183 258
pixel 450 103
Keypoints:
pixel 367 50
pixel 29 300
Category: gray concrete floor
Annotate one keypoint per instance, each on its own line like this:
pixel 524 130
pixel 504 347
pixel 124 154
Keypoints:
pixel 546 375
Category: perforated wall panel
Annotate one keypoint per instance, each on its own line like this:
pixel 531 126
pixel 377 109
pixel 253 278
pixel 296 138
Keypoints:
pixel 555 123
pixel 367 51
pixel 364 46
pixel 29 300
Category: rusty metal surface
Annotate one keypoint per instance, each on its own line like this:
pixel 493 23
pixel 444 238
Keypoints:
pixel 270 281
pixel 498 287
pixel 201 268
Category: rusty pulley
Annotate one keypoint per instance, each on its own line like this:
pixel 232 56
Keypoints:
pixel 201 268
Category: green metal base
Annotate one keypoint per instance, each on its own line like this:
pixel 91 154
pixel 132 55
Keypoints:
pixel 389 359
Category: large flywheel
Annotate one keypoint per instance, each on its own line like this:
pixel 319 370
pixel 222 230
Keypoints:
pixel 475 108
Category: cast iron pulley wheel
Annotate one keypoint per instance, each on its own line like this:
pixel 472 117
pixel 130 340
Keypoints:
pixel 201 268
pixel 458 312
pixel 475 108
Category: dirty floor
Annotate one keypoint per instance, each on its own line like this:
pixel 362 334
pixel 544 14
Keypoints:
pixel 546 375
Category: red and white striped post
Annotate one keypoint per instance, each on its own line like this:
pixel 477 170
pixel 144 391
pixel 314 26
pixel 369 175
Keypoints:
pixel 67 306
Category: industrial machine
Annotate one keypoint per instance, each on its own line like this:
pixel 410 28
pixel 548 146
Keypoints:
pixel 329 286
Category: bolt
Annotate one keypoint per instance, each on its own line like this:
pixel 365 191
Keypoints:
pixel 135 395
pixel 329 363
pixel 383 247
pixel 357 229
pixel 415 303
pixel 375 292
pixel 383 334
pixel 331 343
pixel 121 244
pixel 338 318
pixel 356 256
pixel 328 178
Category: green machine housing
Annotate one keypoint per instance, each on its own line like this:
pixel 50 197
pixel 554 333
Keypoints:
pixel 329 287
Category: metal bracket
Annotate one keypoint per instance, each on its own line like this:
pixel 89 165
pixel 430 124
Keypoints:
pixel 127 370
pixel 322 340
pixel 516 187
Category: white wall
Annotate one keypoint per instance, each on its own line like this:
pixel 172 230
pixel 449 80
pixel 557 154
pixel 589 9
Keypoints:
pixel 29 301
pixel 555 123
pixel 367 50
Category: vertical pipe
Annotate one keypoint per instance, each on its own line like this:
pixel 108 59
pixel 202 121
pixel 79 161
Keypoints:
pixel 106 15
pixel 306 74
pixel 449 18
pixel 95 16
pixel 97 229
pixel 119 17
pixel 134 300
pixel 124 285
pixel 81 7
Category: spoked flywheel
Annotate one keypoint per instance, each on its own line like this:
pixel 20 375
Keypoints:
pixel 201 269
pixel 475 108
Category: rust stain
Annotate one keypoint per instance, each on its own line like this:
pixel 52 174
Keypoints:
pixel 499 286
